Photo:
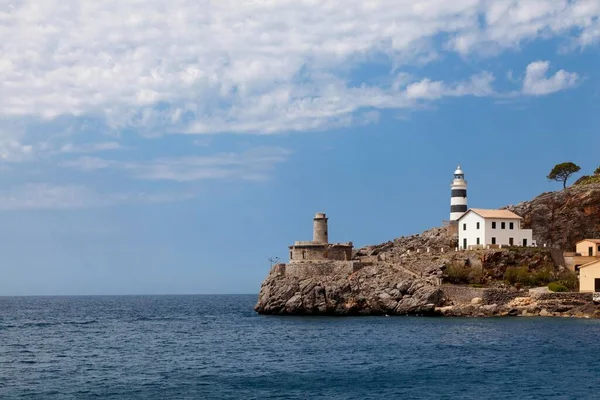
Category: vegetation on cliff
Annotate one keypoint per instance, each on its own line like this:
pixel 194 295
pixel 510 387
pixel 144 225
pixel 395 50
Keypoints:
pixel 589 180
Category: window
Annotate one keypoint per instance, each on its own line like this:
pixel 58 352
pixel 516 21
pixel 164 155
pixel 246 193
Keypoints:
pixel 511 225
pixel 503 225
pixel 478 241
pixel 478 225
pixel 493 224
pixel 464 227
pixel 493 240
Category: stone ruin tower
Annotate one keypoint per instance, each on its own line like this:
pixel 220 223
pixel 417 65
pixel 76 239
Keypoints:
pixel 320 234
pixel 319 249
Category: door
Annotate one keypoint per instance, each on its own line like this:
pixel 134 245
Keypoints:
pixel 597 285
pixel 524 242
pixel 465 244
pixel 590 251
pixel 511 241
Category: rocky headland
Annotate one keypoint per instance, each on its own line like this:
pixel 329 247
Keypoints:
pixel 424 275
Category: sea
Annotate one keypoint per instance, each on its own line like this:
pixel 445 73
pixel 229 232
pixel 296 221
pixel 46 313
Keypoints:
pixel 217 347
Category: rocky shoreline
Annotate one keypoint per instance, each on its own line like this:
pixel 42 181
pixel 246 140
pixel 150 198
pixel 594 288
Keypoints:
pixel 566 305
pixel 385 290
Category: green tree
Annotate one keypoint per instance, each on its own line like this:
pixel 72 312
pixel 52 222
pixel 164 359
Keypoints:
pixel 561 172
pixel 597 171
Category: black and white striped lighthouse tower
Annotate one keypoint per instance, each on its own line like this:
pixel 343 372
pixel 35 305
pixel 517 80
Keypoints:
pixel 458 201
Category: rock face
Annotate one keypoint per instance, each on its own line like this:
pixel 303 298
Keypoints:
pixel 560 219
pixel 373 290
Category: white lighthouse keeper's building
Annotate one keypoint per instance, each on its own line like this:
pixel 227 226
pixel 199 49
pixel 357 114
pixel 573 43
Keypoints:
pixel 479 227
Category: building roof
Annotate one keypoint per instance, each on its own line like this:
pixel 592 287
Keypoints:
pixel 499 214
pixel 590 264
pixel 590 240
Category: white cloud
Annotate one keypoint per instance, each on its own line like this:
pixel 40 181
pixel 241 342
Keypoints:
pixel 44 196
pixel 536 82
pixel 12 150
pixel 478 85
pixel 204 66
pixel 89 147
pixel 254 164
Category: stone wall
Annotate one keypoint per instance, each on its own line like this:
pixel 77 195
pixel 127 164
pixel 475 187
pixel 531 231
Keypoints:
pixel 310 269
pixel 563 296
pixel 308 253
pixel 320 252
pixel 465 294
pixel 501 296
pixel 339 253
pixel 461 294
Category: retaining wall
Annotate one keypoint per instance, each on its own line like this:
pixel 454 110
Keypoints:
pixel 465 294
pixel 461 294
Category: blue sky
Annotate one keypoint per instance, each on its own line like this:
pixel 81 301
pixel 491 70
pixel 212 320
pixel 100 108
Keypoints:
pixel 173 147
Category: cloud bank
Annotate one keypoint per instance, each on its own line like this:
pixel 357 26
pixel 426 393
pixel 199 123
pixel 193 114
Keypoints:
pixel 202 66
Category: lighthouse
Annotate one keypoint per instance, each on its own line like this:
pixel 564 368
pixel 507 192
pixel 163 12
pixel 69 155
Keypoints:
pixel 458 200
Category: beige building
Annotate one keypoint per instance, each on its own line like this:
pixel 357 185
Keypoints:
pixel 588 247
pixel 589 277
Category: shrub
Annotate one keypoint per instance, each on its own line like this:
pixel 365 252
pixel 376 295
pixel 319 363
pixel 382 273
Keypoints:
pixel 460 274
pixel 557 287
pixel 541 277
pixel 588 180
pixel 568 279
pixel 514 275
pixel 522 275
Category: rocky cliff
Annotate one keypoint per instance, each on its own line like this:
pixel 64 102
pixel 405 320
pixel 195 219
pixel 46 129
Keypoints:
pixel 373 290
pixel 560 219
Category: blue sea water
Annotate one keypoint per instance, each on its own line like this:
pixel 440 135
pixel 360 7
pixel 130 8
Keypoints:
pixel 217 347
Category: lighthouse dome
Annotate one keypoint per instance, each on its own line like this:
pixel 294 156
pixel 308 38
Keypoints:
pixel 459 171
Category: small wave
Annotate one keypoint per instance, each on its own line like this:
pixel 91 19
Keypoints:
pixel 93 321
pixel 157 319
pixel 38 324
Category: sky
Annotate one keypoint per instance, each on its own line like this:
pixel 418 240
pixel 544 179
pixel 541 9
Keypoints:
pixel 173 147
